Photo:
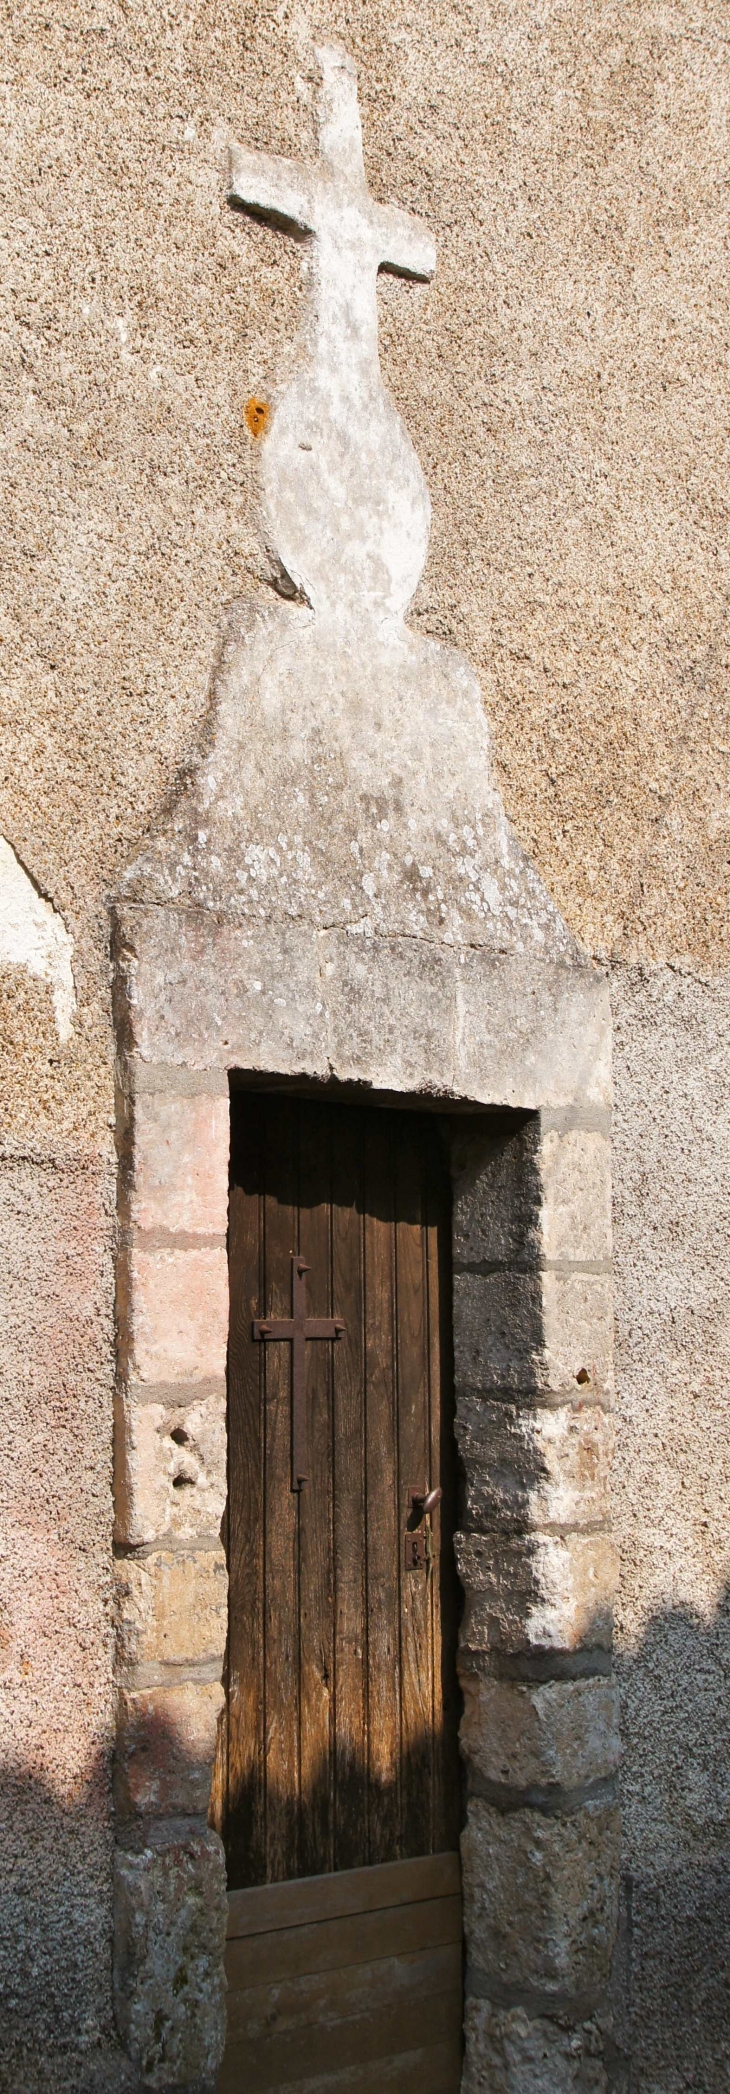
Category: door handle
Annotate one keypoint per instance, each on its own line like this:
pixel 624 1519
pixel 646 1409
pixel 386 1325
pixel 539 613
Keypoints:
pixel 418 1542
pixel 425 1501
pixel 431 1500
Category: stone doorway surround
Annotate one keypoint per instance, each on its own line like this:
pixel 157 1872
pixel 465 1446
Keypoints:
pixel 336 896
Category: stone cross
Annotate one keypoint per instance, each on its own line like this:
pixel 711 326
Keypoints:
pixel 344 499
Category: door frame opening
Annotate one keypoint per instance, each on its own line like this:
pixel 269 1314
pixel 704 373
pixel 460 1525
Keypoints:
pixel 532 1353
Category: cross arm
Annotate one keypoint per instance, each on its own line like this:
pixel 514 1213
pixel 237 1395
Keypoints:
pixel 407 246
pixel 272 1327
pixel 272 188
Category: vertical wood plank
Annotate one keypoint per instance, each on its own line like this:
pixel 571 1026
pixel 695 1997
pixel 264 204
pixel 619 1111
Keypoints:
pixel 446 1799
pixel 281 1627
pixel 245 1806
pixel 316 1568
pixel 349 1495
pixel 414 1458
pixel 384 1521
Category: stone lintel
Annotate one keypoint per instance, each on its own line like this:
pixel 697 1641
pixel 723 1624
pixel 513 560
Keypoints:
pixel 393 1013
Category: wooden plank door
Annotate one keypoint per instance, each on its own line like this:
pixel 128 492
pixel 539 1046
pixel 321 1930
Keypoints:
pixel 341 1751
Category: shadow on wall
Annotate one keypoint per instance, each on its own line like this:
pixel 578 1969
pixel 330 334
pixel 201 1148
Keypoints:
pixel 673 1974
pixel 674 1952
pixel 56 2026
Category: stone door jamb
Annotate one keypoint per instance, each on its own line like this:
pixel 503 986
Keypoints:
pixel 532 1335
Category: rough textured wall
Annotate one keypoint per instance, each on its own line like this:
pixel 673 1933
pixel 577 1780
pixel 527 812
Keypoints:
pixel 672 1492
pixel 566 381
pixel 55 1580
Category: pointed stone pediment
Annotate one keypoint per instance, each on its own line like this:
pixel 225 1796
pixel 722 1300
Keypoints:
pixel 349 786
pixel 347 782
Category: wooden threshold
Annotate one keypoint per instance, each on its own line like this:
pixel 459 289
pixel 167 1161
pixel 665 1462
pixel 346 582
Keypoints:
pixel 347 1983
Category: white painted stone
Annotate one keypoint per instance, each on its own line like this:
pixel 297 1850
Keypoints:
pixel 348 780
pixel 33 935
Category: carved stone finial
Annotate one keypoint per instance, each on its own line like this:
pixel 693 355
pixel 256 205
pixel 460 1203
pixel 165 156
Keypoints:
pixel 345 503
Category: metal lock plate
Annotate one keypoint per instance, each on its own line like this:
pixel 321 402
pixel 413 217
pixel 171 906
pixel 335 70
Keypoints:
pixel 417 1554
pixel 419 1550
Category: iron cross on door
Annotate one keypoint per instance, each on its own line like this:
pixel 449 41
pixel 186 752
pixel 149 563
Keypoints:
pixel 295 1330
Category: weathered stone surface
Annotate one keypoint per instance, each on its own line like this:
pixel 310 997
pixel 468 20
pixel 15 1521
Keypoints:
pixel 556 1048
pixel 509 2052
pixel 497 1191
pixel 206 993
pixel 293 999
pixel 170 1914
pixel 169 1469
pixel 178 1314
pixel 578 1322
pixel 541 1592
pixel 498 1330
pixel 540 1897
pixel 562 1732
pixel 533 1330
pixel 172 1607
pixel 534 1467
pixel 390 1008
pixel 575 1169
pixel 180 1176
pixel 389 727
pixel 165 1746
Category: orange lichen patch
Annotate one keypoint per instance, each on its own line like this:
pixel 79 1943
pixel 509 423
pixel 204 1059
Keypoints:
pixel 257 416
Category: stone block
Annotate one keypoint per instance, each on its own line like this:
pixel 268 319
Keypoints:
pixel 211 994
pixel 165 1746
pixel 575 1168
pixel 534 1467
pixel 181 1147
pixel 170 1912
pixel 498 1330
pixel 169 1468
pixel 559 1733
pixel 390 1011
pixel 541 1898
pixel 178 1314
pixel 536 1331
pixel 497 1190
pixel 555 1049
pixel 538 1592
pixel 578 1325
pixel 509 2052
pixel 172 1607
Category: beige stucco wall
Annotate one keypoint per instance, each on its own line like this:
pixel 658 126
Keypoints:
pixel 566 382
